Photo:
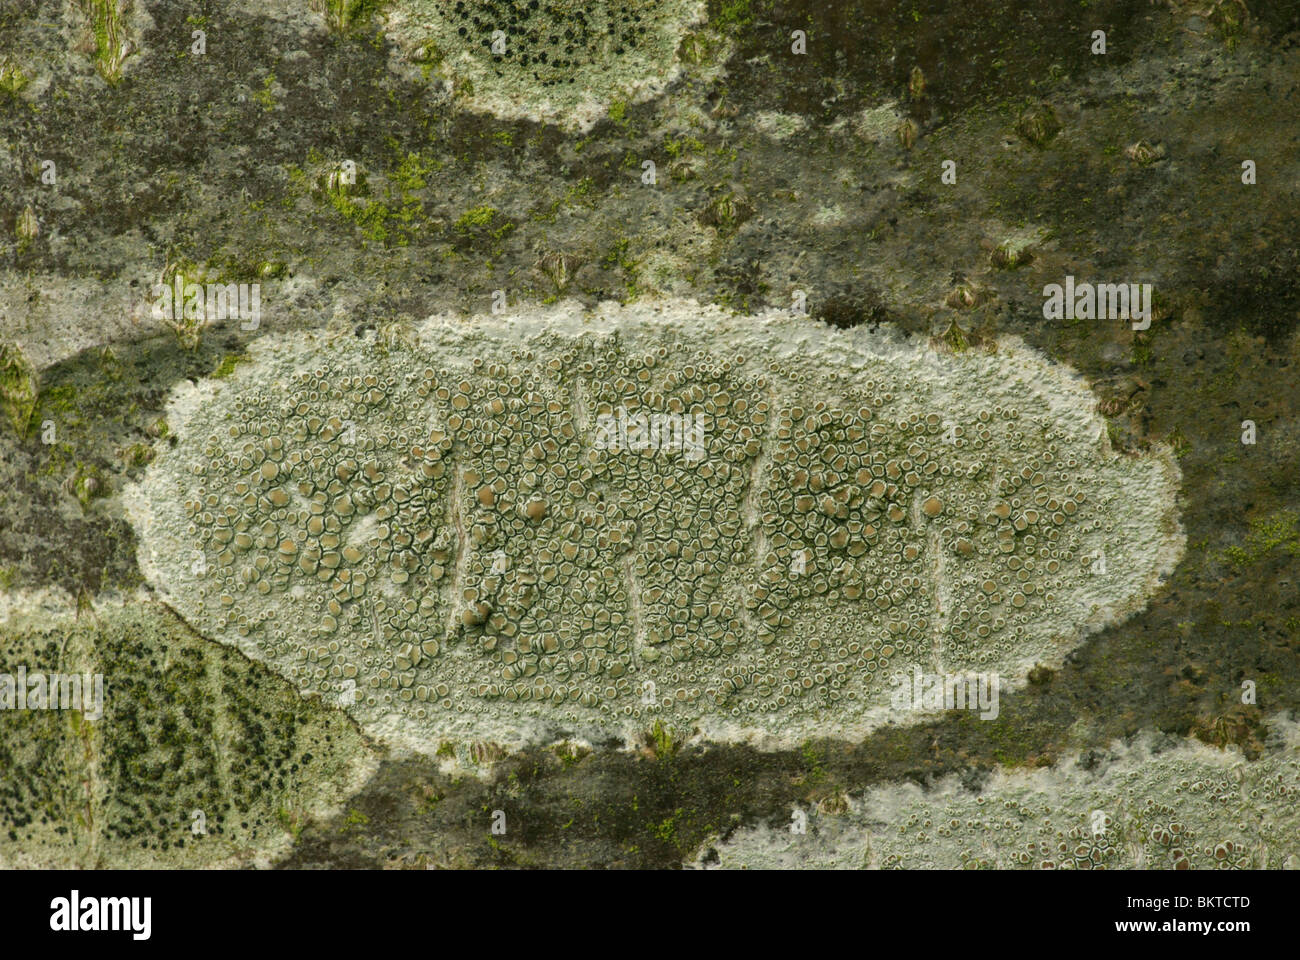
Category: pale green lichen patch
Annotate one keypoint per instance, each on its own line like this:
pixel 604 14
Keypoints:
pixel 1153 804
pixel 451 538
pixel 780 126
pixel 199 758
pixel 559 61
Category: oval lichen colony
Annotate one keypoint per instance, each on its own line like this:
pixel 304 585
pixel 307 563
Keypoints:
pixel 568 62
pixel 582 523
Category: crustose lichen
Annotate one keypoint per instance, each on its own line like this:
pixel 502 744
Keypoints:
pixel 438 538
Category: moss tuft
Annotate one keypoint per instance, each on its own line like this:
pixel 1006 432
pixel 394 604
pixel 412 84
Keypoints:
pixel 19 388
